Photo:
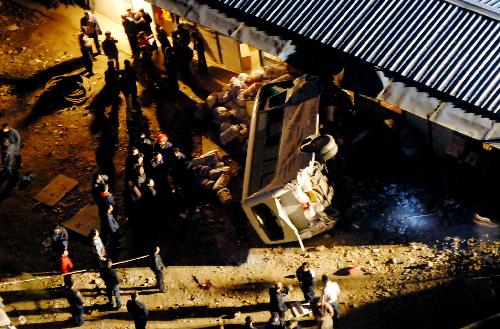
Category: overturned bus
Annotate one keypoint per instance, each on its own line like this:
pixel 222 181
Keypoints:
pixel 286 193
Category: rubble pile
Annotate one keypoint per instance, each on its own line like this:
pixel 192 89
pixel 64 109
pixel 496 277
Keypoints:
pixel 213 173
pixel 230 109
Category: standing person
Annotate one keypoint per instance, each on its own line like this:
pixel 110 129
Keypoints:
pixel 128 80
pixel 90 26
pixel 98 182
pixel 171 68
pixel 111 79
pixel 147 65
pixel 143 21
pixel 112 282
pixel 97 246
pixel 138 311
pixel 162 36
pixel 305 276
pixel 131 32
pixel 60 240
pixel 9 160
pixel 184 58
pixel 75 300
pixel 14 138
pixel 277 295
pixel 86 49
pixel 110 228
pixel 199 46
pixel 157 267
pixel 66 267
pixel 110 49
pixel 331 292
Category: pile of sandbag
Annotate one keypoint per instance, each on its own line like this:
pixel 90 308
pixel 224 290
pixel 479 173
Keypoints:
pixel 213 174
pixel 227 109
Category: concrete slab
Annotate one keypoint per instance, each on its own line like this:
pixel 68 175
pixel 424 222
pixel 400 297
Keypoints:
pixel 56 190
pixel 84 220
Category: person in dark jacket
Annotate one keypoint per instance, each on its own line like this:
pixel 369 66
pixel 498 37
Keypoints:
pixel 128 80
pixel 199 46
pixel 98 182
pixel 75 300
pixel 305 276
pixel 138 311
pixel 111 79
pixel 143 22
pixel 131 31
pixel 110 229
pixel 60 240
pixel 112 282
pixel 277 295
pixel 157 267
pixel 110 49
pixel 162 36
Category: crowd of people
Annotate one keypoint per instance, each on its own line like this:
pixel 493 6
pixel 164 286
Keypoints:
pixel 177 54
pixel 156 174
pixel 138 311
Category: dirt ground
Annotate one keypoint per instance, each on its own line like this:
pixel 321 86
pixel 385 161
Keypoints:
pixel 415 272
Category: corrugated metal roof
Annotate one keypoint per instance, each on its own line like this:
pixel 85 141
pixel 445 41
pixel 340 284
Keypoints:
pixel 438 43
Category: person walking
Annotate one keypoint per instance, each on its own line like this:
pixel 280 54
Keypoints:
pixel 138 311
pixel 110 49
pixel 75 300
pixel 277 295
pixel 158 267
pixel 91 27
pixel 305 276
pixel 331 292
pixel 112 282
pixel 14 138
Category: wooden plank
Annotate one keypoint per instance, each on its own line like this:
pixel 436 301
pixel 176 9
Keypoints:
pixel 84 220
pixel 56 190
